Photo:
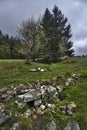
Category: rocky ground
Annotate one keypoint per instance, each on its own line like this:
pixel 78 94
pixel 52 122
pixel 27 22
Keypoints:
pixel 39 98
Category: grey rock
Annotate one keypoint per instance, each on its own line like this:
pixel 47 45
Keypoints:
pixel 52 126
pixel 28 97
pixel 72 125
pixel 37 102
pixel 59 89
pixel 67 84
pixel 52 106
pixel 70 80
pixel 3 118
pixel 51 89
pixel 15 127
pixel 64 57
pixel 69 112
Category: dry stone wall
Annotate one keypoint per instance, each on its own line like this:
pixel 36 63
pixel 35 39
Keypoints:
pixel 38 94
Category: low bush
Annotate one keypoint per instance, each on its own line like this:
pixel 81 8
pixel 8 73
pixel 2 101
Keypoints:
pixel 83 73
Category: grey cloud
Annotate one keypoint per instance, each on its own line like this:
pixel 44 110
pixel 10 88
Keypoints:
pixel 81 0
pixel 81 35
pixel 82 50
pixel 13 12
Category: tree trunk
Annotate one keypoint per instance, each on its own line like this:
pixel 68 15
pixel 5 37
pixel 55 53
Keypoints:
pixel 28 57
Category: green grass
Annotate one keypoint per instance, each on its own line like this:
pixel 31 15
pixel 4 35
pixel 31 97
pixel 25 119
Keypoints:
pixel 78 94
pixel 14 72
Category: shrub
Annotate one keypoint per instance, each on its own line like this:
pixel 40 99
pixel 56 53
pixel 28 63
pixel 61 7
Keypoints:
pixel 83 73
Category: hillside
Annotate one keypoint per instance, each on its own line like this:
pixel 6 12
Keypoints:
pixel 15 72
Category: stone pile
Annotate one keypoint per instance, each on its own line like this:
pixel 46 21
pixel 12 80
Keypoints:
pixel 6 94
pixel 72 80
pixel 38 94
pixel 37 97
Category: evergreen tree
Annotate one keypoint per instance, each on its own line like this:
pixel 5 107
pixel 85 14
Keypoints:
pixel 58 34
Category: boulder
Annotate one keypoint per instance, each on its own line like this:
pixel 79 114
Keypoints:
pixel 28 97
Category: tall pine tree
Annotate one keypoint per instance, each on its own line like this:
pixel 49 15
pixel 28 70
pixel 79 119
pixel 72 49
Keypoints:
pixel 58 34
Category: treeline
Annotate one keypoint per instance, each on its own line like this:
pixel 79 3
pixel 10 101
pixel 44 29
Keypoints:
pixel 10 47
pixel 46 39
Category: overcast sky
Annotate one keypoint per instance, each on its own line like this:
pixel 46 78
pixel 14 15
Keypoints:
pixel 13 12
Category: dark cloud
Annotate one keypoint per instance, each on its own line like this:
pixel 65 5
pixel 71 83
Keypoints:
pixel 12 12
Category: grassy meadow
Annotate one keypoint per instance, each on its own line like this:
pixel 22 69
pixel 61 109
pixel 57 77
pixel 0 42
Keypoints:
pixel 14 72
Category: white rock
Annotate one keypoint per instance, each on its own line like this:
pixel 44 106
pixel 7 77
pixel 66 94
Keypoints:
pixel 12 86
pixel 42 70
pixel 74 75
pixel 42 107
pixel 70 80
pixel 52 106
pixel 39 69
pixel 28 113
pixel 71 106
pixel 66 84
pixel 33 70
